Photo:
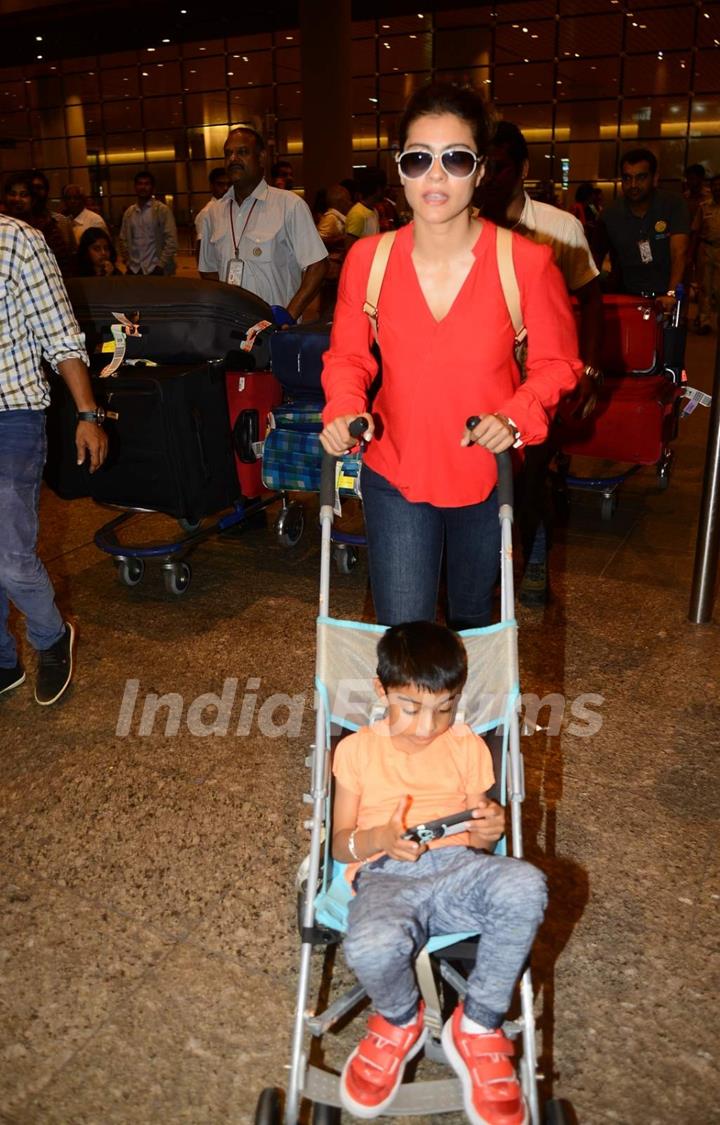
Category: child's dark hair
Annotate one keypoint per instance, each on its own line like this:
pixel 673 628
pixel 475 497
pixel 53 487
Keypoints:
pixel 441 97
pixel 428 656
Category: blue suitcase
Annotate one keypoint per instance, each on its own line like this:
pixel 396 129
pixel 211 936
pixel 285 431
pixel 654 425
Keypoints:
pixel 297 361
pixel 292 454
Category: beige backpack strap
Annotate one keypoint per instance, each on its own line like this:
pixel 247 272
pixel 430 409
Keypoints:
pixel 376 277
pixel 509 282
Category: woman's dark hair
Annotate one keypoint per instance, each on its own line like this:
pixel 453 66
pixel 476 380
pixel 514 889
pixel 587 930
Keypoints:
pixel 428 656
pixel 24 178
pixel 462 102
pixel 88 238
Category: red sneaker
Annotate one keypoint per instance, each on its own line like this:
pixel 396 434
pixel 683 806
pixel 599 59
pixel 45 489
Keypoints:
pixel 375 1069
pixel 491 1090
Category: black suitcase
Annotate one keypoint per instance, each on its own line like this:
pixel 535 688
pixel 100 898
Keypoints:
pixel 297 355
pixel 182 319
pixel 170 449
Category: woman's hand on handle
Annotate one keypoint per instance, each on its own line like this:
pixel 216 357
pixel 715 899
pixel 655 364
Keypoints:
pixel 336 438
pixel 492 431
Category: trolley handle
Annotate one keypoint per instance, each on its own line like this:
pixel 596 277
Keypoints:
pixel 504 470
pixel 327 470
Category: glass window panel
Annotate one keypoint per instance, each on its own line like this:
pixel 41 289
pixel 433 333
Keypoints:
pixel 465 17
pixel 532 40
pixel 654 117
pixel 707 67
pixel 243 43
pixel 122 116
pixel 207 143
pixel 289 136
pixel 591 35
pixel 470 47
pixel 526 82
pixel 389 123
pixel 532 9
pixel 576 121
pixel 534 120
pixel 161 78
pixel 646 74
pixel 165 52
pixel 168 112
pixel 119 203
pixel 362 56
pixel 410 25
pixel 288 35
pixel 46 92
pixel 166 144
pixel 204 74
pixel 249 104
pixel 77 150
pixel 79 119
pixel 204 47
pixel 199 173
pixel 479 77
pixel 705 152
pixel 540 156
pixel 79 63
pixel 364 129
pixel 94 146
pixel 579 7
pixel 363 94
pixel 125 148
pixel 14 97
pixel 14 126
pixel 406 52
pixel 287 64
pixel 579 79
pixel 589 160
pixel 85 85
pixel 251 70
pixel 664 28
pixel 13 159
pixel 119 58
pixel 288 100
pixel 360 29
pixel 396 89
pixel 120 83
pixel 49 154
pixel 671 158
pixel 708 34
pixel 705 119
pixel 206 109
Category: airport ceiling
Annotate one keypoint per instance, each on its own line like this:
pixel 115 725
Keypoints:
pixel 80 27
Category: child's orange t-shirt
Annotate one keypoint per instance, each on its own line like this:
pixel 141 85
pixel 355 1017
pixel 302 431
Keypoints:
pixel 437 777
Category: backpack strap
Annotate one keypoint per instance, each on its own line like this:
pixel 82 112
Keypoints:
pixel 376 277
pixel 509 282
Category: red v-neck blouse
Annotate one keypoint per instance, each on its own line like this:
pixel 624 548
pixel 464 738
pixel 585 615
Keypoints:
pixel 435 374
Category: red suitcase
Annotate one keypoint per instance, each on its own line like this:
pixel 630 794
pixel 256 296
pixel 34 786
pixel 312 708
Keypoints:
pixel 635 420
pixel 251 396
pixel 632 342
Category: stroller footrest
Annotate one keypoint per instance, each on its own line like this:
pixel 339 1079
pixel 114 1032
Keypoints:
pixel 318 1025
pixel 442 1095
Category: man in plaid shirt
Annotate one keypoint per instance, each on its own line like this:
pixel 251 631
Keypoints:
pixel 36 323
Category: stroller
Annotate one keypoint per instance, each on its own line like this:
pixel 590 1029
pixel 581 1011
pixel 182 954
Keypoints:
pixel 346 663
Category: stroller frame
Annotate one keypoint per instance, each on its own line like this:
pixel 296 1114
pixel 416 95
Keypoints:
pixel 320 1086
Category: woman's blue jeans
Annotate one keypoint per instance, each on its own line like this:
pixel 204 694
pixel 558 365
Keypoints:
pixel 405 549
pixel 23 578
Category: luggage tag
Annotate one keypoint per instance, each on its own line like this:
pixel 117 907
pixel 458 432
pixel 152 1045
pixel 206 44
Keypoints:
pixel 695 398
pixel 119 346
pixel 252 333
pixel 645 251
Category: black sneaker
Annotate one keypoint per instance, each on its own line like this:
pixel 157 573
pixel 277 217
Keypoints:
pixel 534 586
pixel 11 677
pixel 55 668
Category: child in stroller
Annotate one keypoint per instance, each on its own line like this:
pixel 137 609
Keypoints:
pixel 415 765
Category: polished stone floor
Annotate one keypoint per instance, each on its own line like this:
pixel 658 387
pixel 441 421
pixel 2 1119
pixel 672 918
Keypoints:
pixel 148 947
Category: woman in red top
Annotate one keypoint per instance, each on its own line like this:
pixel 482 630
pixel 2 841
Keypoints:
pixel 447 353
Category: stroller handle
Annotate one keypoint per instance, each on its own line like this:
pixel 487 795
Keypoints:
pixel 327 469
pixel 504 470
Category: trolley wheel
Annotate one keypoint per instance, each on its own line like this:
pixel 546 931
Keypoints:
pixel 290 524
pixel 325 1114
pixel 189 525
pixel 664 469
pixel 346 558
pixel 269 1107
pixel 555 1113
pixel 130 571
pixel 608 506
pixel 177 578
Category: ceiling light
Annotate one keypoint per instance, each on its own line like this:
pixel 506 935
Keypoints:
pixel 151 48
pixel 289 37
pixel 386 45
pixel 231 74
pixel 372 99
pixel 525 30
pixel 413 37
pixel 145 74
pixel 244 58
pixel 38 38
pixel 166 40
pixel 38 56
pixel 707 15
pixel 183 11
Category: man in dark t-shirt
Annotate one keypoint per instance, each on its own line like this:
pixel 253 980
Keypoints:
pixel 646 232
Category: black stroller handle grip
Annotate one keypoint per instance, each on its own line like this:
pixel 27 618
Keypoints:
pixel 504 469
pixel 327 469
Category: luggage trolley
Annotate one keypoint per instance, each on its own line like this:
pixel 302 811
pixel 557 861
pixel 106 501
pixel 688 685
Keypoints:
pixel 637 412
pixel 346 650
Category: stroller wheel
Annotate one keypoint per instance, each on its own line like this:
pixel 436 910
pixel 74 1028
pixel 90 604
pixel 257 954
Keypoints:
pixel 269 1107
pixel 346 558
pixel 290 525
pixel 325 1115
pixel 555 1113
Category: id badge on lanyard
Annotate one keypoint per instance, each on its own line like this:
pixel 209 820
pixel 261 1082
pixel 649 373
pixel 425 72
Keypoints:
pixel 236 266
pixel 645 251
pixel 235 269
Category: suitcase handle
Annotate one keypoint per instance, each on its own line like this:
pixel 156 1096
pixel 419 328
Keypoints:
pixel 197 422
pixel 246 432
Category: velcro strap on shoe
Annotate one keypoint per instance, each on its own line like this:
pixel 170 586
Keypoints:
pixel 488 1044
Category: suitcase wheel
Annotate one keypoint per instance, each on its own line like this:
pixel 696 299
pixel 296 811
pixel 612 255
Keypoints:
pixel 130 571
pixel 176 577
pixel 664 469
pixel 290 524
pixel 345 558
pixel 608 505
